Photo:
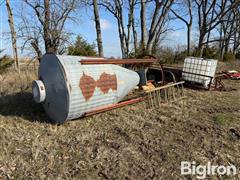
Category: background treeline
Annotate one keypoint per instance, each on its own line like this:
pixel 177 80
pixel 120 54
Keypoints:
pixel 142 27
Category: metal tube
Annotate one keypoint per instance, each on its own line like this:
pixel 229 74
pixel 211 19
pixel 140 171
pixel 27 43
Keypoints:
pixel 114 106
pixel 118 61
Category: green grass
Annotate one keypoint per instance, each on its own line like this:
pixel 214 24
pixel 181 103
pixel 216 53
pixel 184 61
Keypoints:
pixel 223 119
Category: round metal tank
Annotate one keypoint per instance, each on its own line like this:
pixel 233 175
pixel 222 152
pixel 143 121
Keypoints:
pixel 67 89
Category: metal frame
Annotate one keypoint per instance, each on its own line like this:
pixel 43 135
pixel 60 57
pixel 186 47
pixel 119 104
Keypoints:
pixel 114 106
pixel 169 93
pixel 211 78
pixel 132 63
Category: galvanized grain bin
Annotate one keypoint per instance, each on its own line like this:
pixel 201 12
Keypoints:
pixel 67 89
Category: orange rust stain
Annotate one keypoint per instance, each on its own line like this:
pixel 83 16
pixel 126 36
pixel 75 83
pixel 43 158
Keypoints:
pixel 104 83
pixel 87 86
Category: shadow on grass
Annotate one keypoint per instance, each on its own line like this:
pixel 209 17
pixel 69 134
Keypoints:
pixel 22 105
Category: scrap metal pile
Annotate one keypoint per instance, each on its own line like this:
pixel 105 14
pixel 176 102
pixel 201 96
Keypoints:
pixel 232 74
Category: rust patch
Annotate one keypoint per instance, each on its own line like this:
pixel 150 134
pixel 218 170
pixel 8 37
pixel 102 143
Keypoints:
pixel 87 86
pixel 104 83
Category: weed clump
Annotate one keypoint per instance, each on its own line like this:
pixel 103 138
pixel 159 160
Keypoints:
pixel 5 63
pixel 223 119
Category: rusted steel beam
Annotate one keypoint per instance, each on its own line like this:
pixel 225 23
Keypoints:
pixel 114 106
pixel 118 61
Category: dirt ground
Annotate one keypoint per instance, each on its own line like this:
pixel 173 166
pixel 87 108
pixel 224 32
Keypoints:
pixel 132 142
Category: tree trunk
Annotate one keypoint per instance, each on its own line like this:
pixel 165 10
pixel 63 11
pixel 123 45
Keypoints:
pixel 46 28
pixel 125 33
pixel 188 24
pixel 152 30
pixel 124 40
pixel 134 35
pixel 236 42
pixel 98 28
pixel 200 43
pixel 209 32
pixel 221 50
pixel 235 39
pixel 122 44
pixel 35 46
pixel 129 26
pixel 143 25
pixel 159 19
pixel 13 35
pixel 189 27
pixel 227 41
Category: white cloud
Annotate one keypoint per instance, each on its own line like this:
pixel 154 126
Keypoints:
pixel 105 24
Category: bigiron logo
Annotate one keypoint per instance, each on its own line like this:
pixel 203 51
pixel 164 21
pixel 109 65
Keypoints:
pixel 201 171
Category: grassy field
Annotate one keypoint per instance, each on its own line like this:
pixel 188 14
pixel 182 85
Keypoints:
pixel 132 142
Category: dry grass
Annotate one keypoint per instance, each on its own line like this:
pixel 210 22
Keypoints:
pixel 127 143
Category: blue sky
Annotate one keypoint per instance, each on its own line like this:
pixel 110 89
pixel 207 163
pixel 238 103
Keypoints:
pixel 86 28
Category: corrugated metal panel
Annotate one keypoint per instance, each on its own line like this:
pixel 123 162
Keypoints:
pixel 89 86
pixel 76 58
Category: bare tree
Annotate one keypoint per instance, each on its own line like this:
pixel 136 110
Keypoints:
pixel 116 9
pixel 134 31
pixel 13 34
pixel 158 22
pixel 48 27
pixel 236 35
pixel 226 32
pixel 98 28
pixel 149 36
pixel 210 15
pixel 30 33
pixel 188 21
pixel 131 24
pixel 232 25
